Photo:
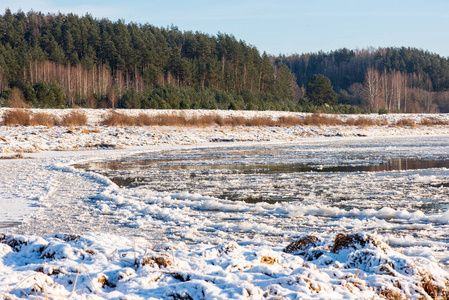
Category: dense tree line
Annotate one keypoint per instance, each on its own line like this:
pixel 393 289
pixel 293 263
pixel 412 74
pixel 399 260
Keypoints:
pixel 67 61
pixel 99 63
pixel 387 79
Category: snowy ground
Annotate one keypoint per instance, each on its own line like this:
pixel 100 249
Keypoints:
pixel 77 234
pixel 95 136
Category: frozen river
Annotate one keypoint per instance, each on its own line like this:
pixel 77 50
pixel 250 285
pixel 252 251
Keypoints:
pixel 269 193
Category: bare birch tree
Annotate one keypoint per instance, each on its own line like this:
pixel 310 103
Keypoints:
pixel 371 87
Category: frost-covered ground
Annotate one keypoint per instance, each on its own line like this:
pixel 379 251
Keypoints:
pixel 94 136
pixel 186 223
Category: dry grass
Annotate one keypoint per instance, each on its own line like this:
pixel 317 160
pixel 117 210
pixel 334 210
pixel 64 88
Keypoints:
pixel 391 294
pixel 24 117
pixel 301 244
pixel 163 261
pixel 17 117
pixel 289 121
pixel 166 119
pixel 320 120
pixel 405 123
pixel 366 122
pixel 432 289
pixel 90 130
pixel 44 119
pixel 104 281
pixel 269 260
pixel 171 120
pixel 15 156
pixel 316 119
pixel 433 122
pixel 116 119
pixel 345 241
pixel 143 120
pixel 74 118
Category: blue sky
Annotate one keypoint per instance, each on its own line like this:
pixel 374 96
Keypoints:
pixel 282 26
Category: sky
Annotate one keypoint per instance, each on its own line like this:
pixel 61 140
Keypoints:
pixel 282 26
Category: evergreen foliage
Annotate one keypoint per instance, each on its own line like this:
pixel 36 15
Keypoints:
pixel 100 63
pixel 320 90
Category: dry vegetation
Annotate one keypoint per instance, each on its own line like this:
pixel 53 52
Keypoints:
pixel 433 122
pixel 15 156
pixel 24 117
pixel 44 119
pixel 165 119
pixel 17 117
pixel 366 122
pixel 406 123
pixel 301 244
pixel 74 118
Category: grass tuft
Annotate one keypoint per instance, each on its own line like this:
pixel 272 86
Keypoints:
pixel 433 122
pixel 117 119
pixel 269 260
pixel 17 117
pixel 288 121
pixel 344 241
pixel 406 123
pixel 74 118
pixel 301 244
pixel 317 119
pixel 44 119
pixel 163 261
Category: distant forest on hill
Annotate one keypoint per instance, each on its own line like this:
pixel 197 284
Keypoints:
pixel 388 79
pixel 64 60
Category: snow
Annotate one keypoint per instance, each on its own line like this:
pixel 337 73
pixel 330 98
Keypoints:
pixel 78 234
pixel 114 267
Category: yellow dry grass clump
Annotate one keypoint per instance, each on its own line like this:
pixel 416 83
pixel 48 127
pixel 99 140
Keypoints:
pixel 74 118
pixel 17 117
pixel 24 117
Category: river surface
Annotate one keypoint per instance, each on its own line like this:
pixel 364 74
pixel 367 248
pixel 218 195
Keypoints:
pixel 261 193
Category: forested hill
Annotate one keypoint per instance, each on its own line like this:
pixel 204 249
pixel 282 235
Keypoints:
pixel 63 60
pixel 67 60
pixel 393 79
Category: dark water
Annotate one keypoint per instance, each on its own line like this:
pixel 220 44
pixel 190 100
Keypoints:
pixel 397 164
pixel 394 164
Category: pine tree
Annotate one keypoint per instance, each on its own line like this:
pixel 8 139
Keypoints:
pixel 320 91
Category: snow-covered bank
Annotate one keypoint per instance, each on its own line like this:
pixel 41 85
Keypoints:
pixel 95 136
pixel 353 266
